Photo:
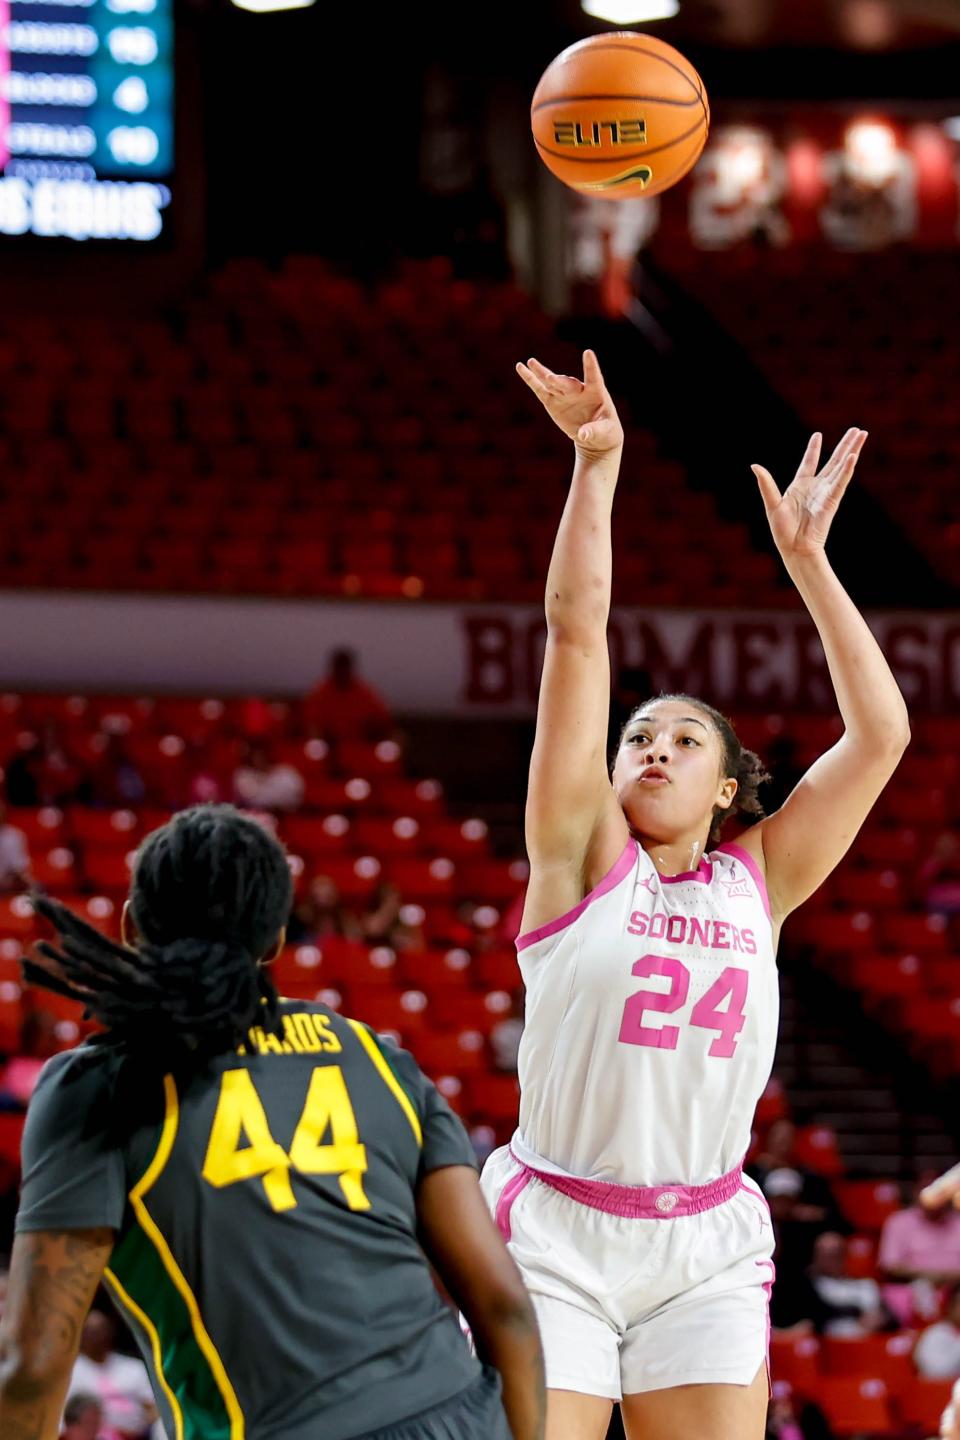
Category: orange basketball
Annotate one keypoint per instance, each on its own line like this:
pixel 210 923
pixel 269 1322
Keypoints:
pixel 620 114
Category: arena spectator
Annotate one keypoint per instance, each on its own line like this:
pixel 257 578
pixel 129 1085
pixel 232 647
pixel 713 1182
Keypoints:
pixel 115 781
pixel 14 857
pixel 203 785
pixel 20 774
pixel 118 1381
pixel 260 784
pixel 61 779
pixel 919 1255
pixel 814 1204
pixel 939 876
pixel 82 1418
pixel 387 921
pixel 322 914
pixel 344 707
pixel 937 1352
pixel 852 1308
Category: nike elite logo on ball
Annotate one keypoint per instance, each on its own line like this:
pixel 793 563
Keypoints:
pixel 620 115
pixel 595 132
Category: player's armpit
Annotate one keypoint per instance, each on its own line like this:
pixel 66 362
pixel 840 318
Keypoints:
pixel 467 1251
pixel 810 834
pixel 53 1278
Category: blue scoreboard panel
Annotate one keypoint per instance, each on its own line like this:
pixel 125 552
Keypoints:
pixel 86 119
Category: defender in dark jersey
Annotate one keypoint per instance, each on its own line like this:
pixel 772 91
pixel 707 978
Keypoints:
pixel 253 1179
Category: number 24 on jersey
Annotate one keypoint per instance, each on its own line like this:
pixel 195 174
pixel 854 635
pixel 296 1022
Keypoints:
pixel 705 1015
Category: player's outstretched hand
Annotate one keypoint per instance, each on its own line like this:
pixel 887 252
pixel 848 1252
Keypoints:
pixel 801 517
pixel 582 409
pixel 942 1190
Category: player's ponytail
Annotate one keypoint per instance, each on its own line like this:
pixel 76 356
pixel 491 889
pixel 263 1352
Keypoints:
pixel 211 892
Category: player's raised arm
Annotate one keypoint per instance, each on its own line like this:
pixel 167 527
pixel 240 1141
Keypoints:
pixel 464 1245
pixel 575 827
pixel 53 1278
pixel 805 840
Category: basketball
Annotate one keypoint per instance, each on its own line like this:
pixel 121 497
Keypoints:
pixel 620 115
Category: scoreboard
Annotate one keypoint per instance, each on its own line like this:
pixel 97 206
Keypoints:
pixel 86 119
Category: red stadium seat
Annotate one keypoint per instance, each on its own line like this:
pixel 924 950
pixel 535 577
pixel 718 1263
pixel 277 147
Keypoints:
pixel 856 1406
pixel 923 1402
pixel 886 1355
pixel 867 1203
pixel 459 1054
pixel 796 1359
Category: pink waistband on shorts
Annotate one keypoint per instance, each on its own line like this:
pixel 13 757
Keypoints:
pixel 642 1202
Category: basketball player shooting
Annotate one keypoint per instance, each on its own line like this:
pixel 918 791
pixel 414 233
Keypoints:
pixel 647 949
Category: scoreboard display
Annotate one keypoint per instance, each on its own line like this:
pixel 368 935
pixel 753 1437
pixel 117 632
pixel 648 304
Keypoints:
pixel 86 119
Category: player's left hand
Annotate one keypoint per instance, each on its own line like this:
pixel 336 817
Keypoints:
pixel 945 1188
pixel 801 517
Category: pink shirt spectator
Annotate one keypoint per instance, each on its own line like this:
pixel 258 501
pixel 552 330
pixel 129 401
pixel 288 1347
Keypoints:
pixel 916 1243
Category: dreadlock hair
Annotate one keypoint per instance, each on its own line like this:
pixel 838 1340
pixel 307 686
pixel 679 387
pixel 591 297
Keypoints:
pixel 210 893
pixel 737 763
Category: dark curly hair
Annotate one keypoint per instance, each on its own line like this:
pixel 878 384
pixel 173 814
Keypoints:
pixel 737 763
pixel 210 893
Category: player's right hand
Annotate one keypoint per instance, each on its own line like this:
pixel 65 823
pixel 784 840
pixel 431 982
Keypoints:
pixel 582 409
pixel 942 1190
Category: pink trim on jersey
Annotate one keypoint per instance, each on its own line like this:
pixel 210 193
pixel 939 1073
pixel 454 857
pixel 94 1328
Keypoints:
pixel 756 874
pixel 610 881
pixel 508 1195
pixel 641 1202
pixel 702 875
pixel 768 1291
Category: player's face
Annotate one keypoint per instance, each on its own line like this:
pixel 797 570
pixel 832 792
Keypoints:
pixel 668 773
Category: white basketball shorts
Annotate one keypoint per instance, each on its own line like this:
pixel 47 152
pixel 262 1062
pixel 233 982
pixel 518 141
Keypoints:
pixel 659 1288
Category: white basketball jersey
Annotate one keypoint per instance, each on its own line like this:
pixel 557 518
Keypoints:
pixel 651 1023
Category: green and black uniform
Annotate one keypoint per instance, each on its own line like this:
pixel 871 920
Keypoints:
pixel 266 1254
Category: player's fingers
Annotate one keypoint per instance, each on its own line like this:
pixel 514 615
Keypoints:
pixel 528 377
pixel 545 376
pixel 769 493
pixel 811 456
pixel 592 374
pixel 844 448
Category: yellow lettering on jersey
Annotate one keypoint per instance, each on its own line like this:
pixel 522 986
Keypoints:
pixel 292 1038
pixel 241 1146
pixel 240 1116
pixel 329 1041
pixel 328 1108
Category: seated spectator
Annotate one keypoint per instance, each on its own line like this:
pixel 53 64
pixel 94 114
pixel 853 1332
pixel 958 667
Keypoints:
pixel 813 1204
pixel 20 774
pixel 387 921
pixel 119 1382
pixel 61 779
pixel 20 1073
pixel 262 785
pixel 14 857
pixel 344 707
pixel 321 914
pixel 919 1255
pixel 937 1352
pixel 82 1418
pixel 789 1418
pixel 852 1308
pixel 203 784
pixel 115 781
pixel 939 876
